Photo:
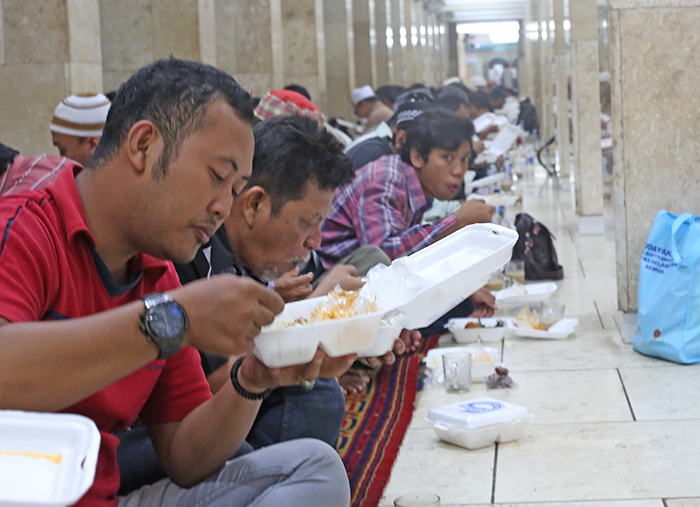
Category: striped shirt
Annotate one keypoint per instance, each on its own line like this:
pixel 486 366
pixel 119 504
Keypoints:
pixel 383 206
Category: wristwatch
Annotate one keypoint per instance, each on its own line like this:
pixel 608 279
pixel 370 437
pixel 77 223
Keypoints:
pixel 164 322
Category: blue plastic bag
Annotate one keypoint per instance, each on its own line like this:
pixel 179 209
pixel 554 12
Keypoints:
pixel 668 316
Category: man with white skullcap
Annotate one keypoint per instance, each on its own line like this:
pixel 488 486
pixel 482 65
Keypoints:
pixel 77 123
pixel 367 105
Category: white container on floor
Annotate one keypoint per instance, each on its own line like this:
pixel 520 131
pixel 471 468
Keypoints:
pixel 46 460
pixel 479 422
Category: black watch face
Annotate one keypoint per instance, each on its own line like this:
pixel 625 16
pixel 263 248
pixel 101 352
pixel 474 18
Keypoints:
pixel 167 321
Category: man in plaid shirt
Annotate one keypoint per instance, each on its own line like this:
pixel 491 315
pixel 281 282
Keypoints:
pixel 384 205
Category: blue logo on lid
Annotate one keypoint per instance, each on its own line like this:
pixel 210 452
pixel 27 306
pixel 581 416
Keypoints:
pixel 480 407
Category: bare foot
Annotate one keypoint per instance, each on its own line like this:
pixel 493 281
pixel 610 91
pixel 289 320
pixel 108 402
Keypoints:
pixel 353 381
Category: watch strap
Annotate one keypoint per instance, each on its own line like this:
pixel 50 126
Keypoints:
pixel 240 389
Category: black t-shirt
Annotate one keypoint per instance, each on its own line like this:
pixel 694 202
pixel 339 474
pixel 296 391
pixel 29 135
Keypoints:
pixel 369 151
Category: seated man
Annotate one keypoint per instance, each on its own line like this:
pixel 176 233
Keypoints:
pixel 368 107
pixel 87 328
pixel 18 173
pixel 384 205
pixel 77 123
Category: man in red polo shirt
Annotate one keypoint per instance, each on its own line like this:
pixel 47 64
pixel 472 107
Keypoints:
pixel 93 322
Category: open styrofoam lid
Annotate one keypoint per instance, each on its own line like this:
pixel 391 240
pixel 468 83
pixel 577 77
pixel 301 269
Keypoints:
pixel 477 413
pixel 428 283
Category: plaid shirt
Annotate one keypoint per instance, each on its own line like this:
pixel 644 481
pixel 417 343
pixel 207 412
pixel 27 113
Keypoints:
pixel 383 206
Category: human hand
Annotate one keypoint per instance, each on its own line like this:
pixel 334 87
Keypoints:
pixel 489 130
pixel 485 303
pixel 408 341
pixel 255 377
pixel 479 146
pixel 474 211
pixel 292 287
pixel 344 275
pixel 500 162
pixel 226 313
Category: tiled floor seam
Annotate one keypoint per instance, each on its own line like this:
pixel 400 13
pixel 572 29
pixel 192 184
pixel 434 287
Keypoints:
pixel 629 402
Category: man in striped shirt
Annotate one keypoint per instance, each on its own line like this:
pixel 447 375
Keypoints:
pixel 384 205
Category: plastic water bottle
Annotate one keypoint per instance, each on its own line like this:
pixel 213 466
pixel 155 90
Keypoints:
pixel 530 162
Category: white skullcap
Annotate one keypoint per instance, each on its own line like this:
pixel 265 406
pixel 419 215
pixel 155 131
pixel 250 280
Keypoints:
pixel 451 80
pixel 81 115
pixel 604 77
pixel 362 93
pixel 478 81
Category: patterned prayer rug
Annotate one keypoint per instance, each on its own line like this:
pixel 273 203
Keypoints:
pixel 375 424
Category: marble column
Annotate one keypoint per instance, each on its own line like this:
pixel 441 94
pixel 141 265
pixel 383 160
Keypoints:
pixel 49 50
pixel 656 118
pixel 419 44
pixel 452 50
pixel 586 116
pixel 563 144
pixel 526 66
pixel 397 41
pixel 546 117
pixel 411 43
pixel 363 47
pixel 380 37
pixel 339 57
pixel 300 46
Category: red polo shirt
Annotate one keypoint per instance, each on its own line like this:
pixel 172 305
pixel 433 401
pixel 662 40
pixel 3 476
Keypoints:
pixel 49 270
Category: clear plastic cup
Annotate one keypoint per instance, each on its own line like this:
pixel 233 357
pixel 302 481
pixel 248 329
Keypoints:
pixel 458 371
pixel 515 270
pixel 550 313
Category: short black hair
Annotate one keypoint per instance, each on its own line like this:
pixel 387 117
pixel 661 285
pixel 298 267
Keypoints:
pixel 481 100
pixel 7 157
pixel 452 98
pixel 498 93
pixel 299 89
pixel 436 128
pixel 290 152
pixel 460 86
pixel 389 92
pixel 174 95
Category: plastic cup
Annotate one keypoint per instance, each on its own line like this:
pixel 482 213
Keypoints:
pixel 515 270
pixel 458 371
pixel 551 313
pixel 420 500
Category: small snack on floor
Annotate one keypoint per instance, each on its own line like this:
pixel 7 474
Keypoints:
pixel 528 319
pixel 500 379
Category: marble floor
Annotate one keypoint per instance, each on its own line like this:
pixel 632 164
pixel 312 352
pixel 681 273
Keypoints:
pixel 612 428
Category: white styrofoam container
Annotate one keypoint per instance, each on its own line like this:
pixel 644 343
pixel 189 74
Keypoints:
pixel 383 342
pixel 559 331
pixel 454 267
pixel 486 334
pixel 479 422
pixel 536 293
pixel 278 348
pixel 35 482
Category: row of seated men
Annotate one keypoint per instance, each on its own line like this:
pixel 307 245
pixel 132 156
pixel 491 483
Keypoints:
pixel 135 281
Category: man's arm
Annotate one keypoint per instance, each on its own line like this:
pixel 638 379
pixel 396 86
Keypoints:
pixel 48 366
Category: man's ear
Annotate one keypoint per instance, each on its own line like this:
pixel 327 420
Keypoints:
pixel 399 138
pixel 254 203
pixel 142 142
pixel 416 160
pixel 94 141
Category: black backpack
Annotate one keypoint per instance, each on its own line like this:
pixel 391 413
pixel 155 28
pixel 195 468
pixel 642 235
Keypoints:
pixel 528 117
pixel 536 248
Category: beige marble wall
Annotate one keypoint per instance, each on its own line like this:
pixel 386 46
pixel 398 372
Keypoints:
pixel 656 114
pixel 50 50
pixel 244 43
pixel 138 32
